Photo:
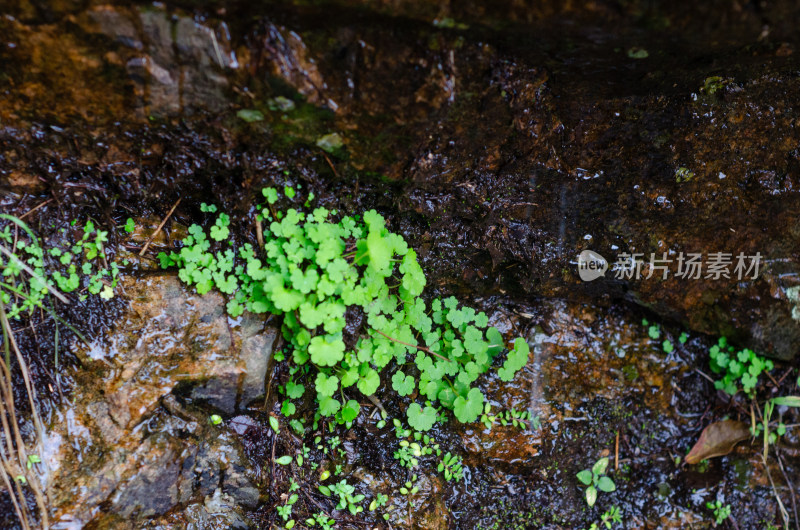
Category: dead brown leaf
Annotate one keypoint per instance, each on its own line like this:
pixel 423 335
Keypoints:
pixel 718 439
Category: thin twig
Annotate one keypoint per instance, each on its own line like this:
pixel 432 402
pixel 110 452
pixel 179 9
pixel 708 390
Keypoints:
pixel 704 374
pixel 26 214
pixel 787 372
pixel 23 519
pixel 772 379
pixel 616 453
pixel 423 348
pixel 163 222
pixel 328 160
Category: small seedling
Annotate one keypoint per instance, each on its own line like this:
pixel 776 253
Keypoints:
pixel 519 419
pixel 609 518
pixel 33 459
pixel 285 511
pixel 721 512
pixel 325 522
pixel 379 501
pixel 451 466
pixel 596 479
pixel 770 437
pixel 215 419
pixel 73 260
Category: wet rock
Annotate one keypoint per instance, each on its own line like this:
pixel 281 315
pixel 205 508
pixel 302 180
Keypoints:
pixel 216 512
pixel 166 455
pixel 175 63
pixel 154 489
pixel 512 156
pixel 236 385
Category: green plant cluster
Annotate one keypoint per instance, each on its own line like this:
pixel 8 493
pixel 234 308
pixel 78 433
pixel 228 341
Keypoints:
pixel 78 258
pixel 451 466
pixel 721 511
pixel 347 497
pixel 409 488
pixel 324 522
pixel 736 367
pixel 342 492
pixel 516 418
pixel 415 445
pixel 320 270
pixel 610 517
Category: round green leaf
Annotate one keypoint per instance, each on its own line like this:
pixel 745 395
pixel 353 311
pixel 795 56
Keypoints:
pixel 326 386
pixel 606 484
pixel 419 418
pixel 591 496
pixel 585 476
pixel 600 466
pixel 350 410
pixel 368 383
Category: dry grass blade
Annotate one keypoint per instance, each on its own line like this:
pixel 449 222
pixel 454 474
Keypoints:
pixel 18 507
pixel 30 271
pixel 7 452
pixel 13 457
pixel 784 513
pixel 25 375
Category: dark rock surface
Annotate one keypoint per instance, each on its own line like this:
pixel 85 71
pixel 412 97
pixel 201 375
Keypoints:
pixel 513 136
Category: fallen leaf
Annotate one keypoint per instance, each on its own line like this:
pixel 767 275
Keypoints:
pixel 718 439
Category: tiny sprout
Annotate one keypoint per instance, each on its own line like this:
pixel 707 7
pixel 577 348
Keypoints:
pixel 215 419
pixel 324 475
pixel 596 479
pixel 33 459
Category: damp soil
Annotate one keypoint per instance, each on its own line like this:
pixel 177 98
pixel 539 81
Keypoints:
pixel 499 139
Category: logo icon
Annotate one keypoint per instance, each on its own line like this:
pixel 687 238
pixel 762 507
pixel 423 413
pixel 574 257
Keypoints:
pixel 591 265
